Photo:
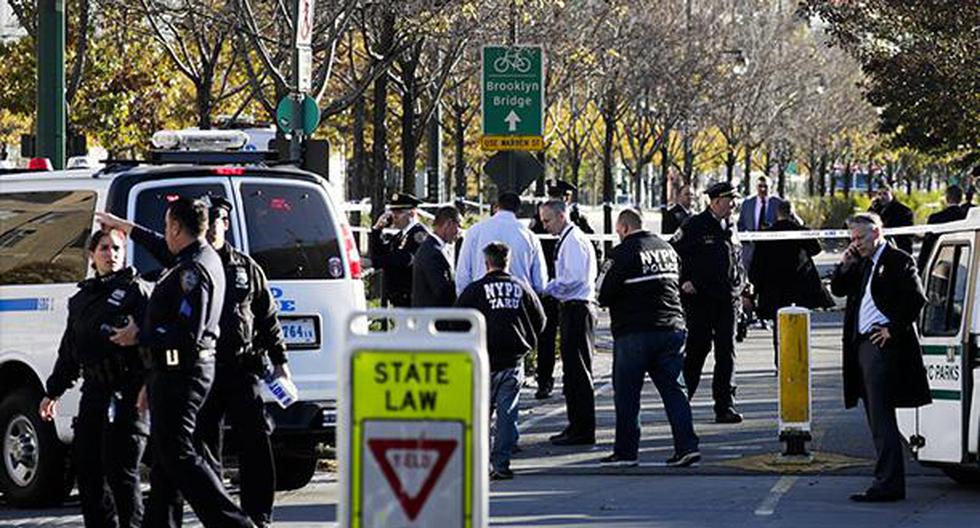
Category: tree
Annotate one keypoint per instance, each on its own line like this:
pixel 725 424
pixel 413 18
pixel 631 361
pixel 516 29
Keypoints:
pixel 920 60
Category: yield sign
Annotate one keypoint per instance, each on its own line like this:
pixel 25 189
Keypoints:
pixel 413 453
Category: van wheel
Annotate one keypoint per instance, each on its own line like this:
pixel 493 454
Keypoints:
pixel 35 468
pixel 968 476
pixel 295 466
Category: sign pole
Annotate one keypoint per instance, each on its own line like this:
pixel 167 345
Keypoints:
pixel 302 69
pixel 51 107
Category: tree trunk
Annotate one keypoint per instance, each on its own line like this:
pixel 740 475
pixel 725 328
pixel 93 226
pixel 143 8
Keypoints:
pixel 730 165
pixel 811 173
pixel 747 179
pixel 608 144
pixel 409 149
pixel 379 152
pixel 688 159
pixel 204 103
pixel 822 172
pixel 847 179
pixel 358 183
pixel 664 173
pixel 459 148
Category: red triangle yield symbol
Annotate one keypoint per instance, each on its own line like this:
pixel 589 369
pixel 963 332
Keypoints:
pixel 380 448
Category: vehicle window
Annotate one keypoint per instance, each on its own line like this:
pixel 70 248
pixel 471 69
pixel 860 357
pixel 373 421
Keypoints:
pixel 946 291
pixel 151 205
pixel 43 236
pixel 290 232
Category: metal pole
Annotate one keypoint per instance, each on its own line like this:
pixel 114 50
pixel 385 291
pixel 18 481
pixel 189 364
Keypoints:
pixel 51 82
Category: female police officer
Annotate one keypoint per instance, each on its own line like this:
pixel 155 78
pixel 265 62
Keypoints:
pixel 110 435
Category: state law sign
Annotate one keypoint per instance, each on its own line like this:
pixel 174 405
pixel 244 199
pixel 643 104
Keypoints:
pixel 512 97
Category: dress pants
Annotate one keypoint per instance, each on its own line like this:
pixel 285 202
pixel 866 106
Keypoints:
pixel 711 321
pixel 577 343
pixel 545 371
pixel 108 446
pixel 890 465
pixel 179 469
pixel 236 394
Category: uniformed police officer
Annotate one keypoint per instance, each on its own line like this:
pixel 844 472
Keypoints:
pixel 679 212
pixel 179 334
pixel 250 338
pixel 394 254
pixel 110 434
pixel 712 279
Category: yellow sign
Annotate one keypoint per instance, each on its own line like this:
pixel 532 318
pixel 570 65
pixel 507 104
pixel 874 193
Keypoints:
pixel 411 414
pixel 512 143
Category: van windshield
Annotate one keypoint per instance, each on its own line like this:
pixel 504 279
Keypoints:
pixel 291 232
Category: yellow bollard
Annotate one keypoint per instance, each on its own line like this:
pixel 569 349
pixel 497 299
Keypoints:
pixel 793 324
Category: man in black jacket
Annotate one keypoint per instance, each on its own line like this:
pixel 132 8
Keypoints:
pixel 679 212
pixel 433 284
pixel 639 284
pixel 954 211
pixel 893 213
pixel 395 254
pixel 515 318
pixel 882 357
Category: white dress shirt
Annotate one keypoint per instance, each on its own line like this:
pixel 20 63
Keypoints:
pixel 575 269
pixel 870 315
pixel 526 258
pixel 446 249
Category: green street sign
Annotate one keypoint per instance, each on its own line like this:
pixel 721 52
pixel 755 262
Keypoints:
pixel 310 115
pixel 512 97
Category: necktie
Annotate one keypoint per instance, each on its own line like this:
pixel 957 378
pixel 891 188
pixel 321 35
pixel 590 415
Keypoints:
pixel 762 215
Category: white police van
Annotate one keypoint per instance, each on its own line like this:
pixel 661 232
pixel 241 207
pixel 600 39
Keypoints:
pixel 285 218
pixel 946 433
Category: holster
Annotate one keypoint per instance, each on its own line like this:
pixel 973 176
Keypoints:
pixel 255 361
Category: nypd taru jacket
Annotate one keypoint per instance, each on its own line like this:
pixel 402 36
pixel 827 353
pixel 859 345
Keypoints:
pixel 101 303
pixel 639 284
pixel 711 257
pixel 514 315
pixel 248 315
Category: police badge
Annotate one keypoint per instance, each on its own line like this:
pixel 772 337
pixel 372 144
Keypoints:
pixel 241 278
pixel 189 279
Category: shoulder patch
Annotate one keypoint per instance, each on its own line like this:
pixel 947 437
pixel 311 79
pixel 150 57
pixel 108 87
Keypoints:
pixel 189 278
pixel 678 235
pixel 420 236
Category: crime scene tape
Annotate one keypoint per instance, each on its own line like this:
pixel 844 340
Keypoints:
pixel 969 224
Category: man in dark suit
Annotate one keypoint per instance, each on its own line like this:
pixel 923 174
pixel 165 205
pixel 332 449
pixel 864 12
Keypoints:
pixel 893 213
pixel 679 212
pixel 954 211
pixel 432 273
pixel 882 357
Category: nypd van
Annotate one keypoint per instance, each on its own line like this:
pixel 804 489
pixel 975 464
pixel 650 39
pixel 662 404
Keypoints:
pixel 287 219
pixel 946 433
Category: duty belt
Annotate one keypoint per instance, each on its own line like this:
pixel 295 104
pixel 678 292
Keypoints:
pixel 176 358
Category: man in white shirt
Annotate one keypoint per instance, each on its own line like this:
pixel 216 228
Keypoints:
pixel 574 287
pixel 526 258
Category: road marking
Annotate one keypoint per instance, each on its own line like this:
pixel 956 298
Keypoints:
pixel 779 489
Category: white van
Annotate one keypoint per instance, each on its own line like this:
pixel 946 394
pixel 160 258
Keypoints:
pixel 285 218
pixel 946 433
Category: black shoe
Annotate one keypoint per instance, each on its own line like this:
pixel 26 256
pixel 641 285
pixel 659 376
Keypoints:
pixel 501 474
pixel 573 440
pixel 544 390
pixel 728 416
pixel 562 434
pixel 877 496
pixel 615 460
pixel 684 459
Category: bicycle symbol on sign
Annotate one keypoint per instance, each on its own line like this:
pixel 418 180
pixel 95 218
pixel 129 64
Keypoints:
pixel 512 60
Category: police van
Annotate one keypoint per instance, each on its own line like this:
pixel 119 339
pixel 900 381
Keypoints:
pixel 946 433
pixel 287 219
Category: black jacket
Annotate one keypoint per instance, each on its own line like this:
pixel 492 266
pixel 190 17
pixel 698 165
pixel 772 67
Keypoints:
pixel 513 313
pixel 711 257
pixel 674 218
pixel 639 284
pixel 185 308
pixel 100 304
pixel 248 317
pixel 949 214
pixel 394 255
pixel 783 273
pixel 432 277
pixel 897 292
pixel 896 214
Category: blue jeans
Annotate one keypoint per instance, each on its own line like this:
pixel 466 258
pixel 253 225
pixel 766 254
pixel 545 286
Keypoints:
pixel 661 355
pixel 505 391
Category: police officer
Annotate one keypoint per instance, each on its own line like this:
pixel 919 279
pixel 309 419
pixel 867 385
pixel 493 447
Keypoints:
pixel 395 254
pixel 250 338
pixel 110 434
pixel 179 334
pixel 712 279
pixel 679 212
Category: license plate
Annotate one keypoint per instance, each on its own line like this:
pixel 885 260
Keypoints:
pixel 300 332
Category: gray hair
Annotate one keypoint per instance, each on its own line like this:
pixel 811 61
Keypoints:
pixel 556 206
pixel 865 221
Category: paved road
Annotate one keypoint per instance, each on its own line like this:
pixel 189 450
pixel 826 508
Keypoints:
pixel 736 484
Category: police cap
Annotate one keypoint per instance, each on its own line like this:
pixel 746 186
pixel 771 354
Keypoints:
pixel 403 201
pixel 218 207
pixel 721 190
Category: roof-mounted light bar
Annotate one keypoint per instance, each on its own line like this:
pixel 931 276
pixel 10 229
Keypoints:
pixel 200 140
